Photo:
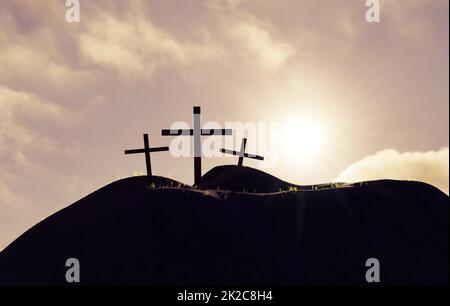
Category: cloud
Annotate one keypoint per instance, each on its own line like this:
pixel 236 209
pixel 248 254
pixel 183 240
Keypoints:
pixel 431 167
pixel 32 56
pixel 20 113
pixel 256 42
pixel 134 45
pixel 7 197
pixel 405 18
pixel 18 103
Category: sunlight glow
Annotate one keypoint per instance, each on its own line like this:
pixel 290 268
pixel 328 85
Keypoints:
pixel 301 140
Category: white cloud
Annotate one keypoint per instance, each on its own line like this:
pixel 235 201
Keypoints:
pixel 15 103
pixel 8 198
pixel 19 112
pixel 256 42
pixel 134 45
pixel 35 59
pixel 431 167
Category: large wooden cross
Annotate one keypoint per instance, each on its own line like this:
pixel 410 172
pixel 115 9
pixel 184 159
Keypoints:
pixel 197 132
pixel 242 153
pixel 147 150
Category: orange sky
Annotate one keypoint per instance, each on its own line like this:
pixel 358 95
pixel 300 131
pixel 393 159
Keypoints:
pixel 74 95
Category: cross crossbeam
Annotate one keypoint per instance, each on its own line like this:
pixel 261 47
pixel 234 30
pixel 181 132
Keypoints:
pixel 242 153
pixel 190 132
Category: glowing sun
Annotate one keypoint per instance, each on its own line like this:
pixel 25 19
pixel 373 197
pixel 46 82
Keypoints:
pixel 301 139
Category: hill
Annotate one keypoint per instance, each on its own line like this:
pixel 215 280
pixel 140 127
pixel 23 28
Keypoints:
pixel 235 178
pixel 127 233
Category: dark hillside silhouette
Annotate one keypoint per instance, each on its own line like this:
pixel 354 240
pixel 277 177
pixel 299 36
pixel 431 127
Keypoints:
pixel 241 178
pixel 128 233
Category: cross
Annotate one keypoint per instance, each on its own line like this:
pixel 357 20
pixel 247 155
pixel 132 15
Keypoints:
pixel 197 132
pixel 242 153
pixel 147 150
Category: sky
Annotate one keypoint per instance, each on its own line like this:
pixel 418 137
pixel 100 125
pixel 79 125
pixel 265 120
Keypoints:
pixel 335 98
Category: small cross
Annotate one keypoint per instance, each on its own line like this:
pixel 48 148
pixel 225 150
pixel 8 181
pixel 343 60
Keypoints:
pixel 147 150
pixel 197 132
pixel 242 153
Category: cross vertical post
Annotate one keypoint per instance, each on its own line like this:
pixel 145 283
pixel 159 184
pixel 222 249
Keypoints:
pixel 197 145
pixel 241 153
pixel 148 162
